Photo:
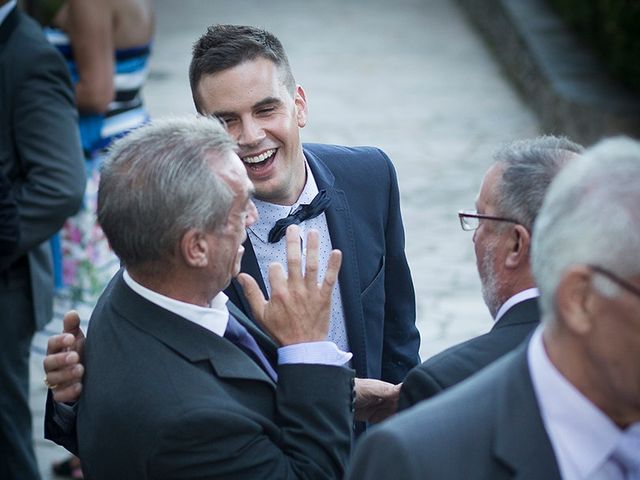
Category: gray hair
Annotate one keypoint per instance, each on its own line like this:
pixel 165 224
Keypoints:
pixel 591 216
pixel 528 168
pixel 157 183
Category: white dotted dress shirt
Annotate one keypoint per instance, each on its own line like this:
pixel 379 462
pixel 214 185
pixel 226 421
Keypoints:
pixel 267 253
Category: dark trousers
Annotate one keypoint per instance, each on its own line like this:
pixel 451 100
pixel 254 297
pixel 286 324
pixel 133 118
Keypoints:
pixel 17 457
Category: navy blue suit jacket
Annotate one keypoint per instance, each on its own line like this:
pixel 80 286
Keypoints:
pixel 365 223
pixel 459 362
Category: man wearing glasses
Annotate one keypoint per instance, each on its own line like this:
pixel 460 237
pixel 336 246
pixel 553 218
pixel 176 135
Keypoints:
pixel 567 403
pixel 510 196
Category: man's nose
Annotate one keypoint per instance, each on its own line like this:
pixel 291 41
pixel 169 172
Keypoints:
pixel 251 133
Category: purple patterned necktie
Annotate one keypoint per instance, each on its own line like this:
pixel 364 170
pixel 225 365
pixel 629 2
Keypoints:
pixel 239 336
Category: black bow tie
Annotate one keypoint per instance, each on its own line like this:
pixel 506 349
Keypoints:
pixel 304 212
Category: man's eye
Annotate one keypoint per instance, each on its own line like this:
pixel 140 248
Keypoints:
pixel 266 111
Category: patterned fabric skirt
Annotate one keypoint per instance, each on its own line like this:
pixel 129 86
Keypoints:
pixel 83 263
pixel 88 263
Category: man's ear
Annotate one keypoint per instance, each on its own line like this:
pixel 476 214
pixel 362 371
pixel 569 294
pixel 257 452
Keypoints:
pixel 573 299
pixel 519 245
pixel 194 248
pixel 300 100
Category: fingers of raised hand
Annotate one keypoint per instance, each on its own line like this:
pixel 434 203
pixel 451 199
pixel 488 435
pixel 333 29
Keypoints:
pixel 254 295
pixel 331 275
pixel 277 278
pixel 311 266
pixel 294 253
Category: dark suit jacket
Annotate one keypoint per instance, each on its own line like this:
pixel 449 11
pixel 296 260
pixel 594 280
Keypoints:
pixel 39 148
pixel 486 428
pixel 166 398
pixel 365 223
pixel 461 361
pixel 9 221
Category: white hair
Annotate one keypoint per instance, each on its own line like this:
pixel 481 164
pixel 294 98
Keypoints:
pixel 590 216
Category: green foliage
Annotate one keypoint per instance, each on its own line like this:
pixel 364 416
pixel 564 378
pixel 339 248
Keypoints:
pixel 612 28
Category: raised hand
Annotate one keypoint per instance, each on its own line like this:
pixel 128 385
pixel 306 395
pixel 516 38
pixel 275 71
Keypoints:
pixel 299 308
pixel 63 363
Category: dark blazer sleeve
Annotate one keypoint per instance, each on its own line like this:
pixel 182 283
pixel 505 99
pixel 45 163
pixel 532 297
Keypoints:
pixel 419 385
pixel 49 169
pixel 401 339
pixel 9 221
pixel 59 425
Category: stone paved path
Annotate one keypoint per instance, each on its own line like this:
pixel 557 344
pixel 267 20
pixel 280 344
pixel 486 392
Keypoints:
pixel 411 77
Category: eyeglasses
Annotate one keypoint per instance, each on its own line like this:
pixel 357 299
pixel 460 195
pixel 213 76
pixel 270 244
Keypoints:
pixel 470 219
pixel 617 280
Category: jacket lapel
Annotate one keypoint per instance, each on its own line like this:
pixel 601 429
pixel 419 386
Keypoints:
pixel 8 26
pixel 186 338
pixel 522 442
pixel 343 238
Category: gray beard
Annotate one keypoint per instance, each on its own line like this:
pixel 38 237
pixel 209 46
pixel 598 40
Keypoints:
pixel 489 282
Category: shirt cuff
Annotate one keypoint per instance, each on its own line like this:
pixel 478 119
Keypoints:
pixel 322 353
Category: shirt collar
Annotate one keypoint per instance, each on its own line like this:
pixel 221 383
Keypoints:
pixel 270 213
pixel 6 9
pixel 583 437
pixel 214 318
pixel 517 298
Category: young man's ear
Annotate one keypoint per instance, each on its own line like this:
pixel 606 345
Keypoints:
pixel 519 245
pixel 194 248
pixel 300 99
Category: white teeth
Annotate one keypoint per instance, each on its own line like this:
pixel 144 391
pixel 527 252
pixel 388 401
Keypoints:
pixel 259 158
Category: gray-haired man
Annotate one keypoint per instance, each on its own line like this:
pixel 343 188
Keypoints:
pixel 506 207
pixel 179 383
pixel 567 403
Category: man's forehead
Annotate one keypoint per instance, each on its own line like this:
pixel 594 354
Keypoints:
pixel 488 188
pixel 243 86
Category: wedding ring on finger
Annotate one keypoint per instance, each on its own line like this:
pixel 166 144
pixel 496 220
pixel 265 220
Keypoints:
pixel 49 386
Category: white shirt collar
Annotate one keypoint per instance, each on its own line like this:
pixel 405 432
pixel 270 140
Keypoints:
pixel 6 9
pixel 213 318
pixel 582 436
pixel 270 213
pixel 515 299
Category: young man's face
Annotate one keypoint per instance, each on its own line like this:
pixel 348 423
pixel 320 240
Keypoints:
pixel 264 118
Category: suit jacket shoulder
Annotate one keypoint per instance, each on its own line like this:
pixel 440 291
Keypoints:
pixel 465 359
pixel 488 427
